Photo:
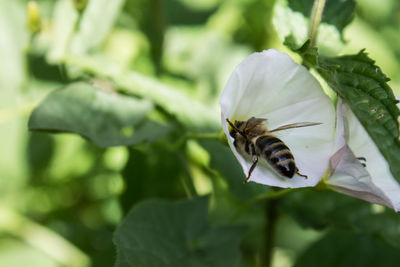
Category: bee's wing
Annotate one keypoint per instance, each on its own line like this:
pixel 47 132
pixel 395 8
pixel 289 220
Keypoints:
pixel 295 125
pixel 253 122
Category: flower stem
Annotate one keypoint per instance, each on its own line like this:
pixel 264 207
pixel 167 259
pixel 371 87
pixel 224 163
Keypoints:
pixel 316 17
pixel 271 212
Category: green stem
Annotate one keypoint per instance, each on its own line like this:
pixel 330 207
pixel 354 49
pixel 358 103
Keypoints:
pixel 42 239
pixel 316 17
pixel 269 195
pixel 271 212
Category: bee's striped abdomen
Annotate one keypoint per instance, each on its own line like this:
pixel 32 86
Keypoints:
pixel 277 154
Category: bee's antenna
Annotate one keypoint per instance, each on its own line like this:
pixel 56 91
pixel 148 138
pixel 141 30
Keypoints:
pixel 236 129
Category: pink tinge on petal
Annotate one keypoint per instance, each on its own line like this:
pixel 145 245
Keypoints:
pixel 351 178
pixel 337 157
pixel 373 182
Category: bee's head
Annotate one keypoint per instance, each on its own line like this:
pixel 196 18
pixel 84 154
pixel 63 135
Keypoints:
pixel 239 125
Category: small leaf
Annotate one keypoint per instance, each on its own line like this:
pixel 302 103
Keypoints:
pixel 307 52
pixel 158 233
pixel 108 119
pixel 347 249
pixel 364 88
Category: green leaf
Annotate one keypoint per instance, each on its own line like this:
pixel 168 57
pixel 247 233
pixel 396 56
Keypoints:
pixel 147 175
pixel 226 164
pixel 193 113
pixel 14 37
pixel 364 88
pixel 347 249
pixel 295 20
pixel 106 118
pixel 322 210
pixel 13 252
pixel 158 233
pixel 337 12
pixel 76 35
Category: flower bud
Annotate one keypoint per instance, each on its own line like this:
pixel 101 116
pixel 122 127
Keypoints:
pixel 80 5
pixel 34 23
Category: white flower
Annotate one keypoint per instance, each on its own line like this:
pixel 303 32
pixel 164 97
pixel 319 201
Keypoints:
pixel 271 85
pixel 374 182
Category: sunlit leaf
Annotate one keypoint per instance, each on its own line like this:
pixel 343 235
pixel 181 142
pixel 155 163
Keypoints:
pixel 158 233
pixel 293 18
pixel 106 118
pixel 16 253
pixel 78 35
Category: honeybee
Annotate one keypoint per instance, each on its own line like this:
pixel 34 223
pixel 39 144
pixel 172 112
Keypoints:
pixel 252 137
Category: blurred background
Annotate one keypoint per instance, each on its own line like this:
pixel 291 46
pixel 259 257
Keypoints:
pixel 63 195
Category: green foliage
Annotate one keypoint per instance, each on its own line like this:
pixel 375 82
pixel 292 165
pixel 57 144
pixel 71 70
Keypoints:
pixel 158 233
pixel 364 87
pixel 106 118
pixel 337 12
pixel 167 62
pixel 334 211
pixel 344 248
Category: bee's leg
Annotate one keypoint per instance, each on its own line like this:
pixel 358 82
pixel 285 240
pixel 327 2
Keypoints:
pixel 255 161
pixel 298 173
pixel 362 159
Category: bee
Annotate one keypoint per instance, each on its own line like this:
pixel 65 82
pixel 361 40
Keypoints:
pixel 252 137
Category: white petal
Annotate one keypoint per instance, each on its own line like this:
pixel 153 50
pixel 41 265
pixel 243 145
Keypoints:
pixel 271 85
pixel 374 183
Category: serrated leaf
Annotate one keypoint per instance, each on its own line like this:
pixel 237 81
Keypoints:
pixel 158 233
pixel 106 118
pixel 337 12
pixel 347 249
pixel 364 88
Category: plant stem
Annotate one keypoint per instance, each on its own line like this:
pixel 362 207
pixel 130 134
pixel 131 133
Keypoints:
pixel 316 17
pixel 271 212
pixel 42 239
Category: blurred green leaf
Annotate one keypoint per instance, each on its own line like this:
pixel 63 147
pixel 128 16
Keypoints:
pixel 79 35
pixel 347 249
pixel 97 21
pixel 337 12
pixel 152 174
pixel 319 210
pixel 191 112
pixel 13 39
pixel 17 254
pixel 159 233
pixel 288 21
pixel 322 210
pixel 106 118
pixel 363 86
pixel 223 160
pixel 40 151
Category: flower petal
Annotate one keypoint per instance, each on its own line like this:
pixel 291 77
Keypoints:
pixel 271 85
pixel 373 183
